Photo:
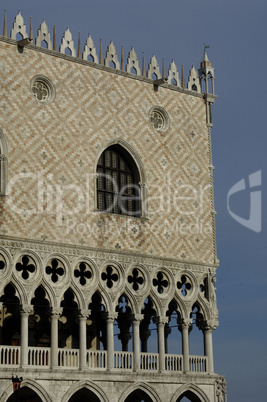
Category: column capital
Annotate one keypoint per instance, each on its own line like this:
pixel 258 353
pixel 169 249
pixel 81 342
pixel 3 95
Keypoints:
pixel 138 317
pixel 184 322
pixel 84 313
pixel 111 316
pixel 209 325
pixel 56 311
pixel 26 309
pixel 161 320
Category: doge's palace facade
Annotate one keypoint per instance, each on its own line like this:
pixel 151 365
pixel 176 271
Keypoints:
pixel 107 249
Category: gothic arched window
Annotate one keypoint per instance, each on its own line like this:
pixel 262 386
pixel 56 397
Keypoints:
pixel 118 189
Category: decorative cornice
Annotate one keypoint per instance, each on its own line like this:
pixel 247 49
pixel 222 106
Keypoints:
pixel 103 254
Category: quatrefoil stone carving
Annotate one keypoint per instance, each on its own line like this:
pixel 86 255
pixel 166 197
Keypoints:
pixel 83 273
pixel 109 276
pixel 160 283
pixel 25 267
pixel 184 285
pixel 135 279
pixel 54 270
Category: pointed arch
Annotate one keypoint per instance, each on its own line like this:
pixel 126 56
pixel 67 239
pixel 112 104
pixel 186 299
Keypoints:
pixel 69 330
pixel 32 385
pixel 143 388
pixel 97 391
pixel 136 176
pixel 37 388
pixel 130 149
pixel 202 308
pixel 20 292
pixel 3 164
pixel 131 299
pixel 48 293
pixel 10 327
pixel 190 391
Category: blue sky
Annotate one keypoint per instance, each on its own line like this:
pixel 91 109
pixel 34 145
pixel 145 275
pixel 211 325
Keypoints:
pixel 236 32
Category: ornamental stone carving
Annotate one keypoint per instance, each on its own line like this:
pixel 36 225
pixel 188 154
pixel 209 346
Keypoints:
pixel 18 27
pixel 43 34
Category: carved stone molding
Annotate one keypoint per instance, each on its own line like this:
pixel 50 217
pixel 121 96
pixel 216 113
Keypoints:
pixel 57 311
pixel 111 316
pixel 26 309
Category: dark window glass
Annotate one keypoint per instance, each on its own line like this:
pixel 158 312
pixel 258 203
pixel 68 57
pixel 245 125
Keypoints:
pixel 118 189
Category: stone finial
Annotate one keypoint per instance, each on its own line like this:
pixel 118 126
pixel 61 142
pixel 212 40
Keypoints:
pixel 5 27
pixel 205 62
pixel 193 80
pixel 101 52
pixel 143 66
pixel 31 32
pixel 122 59
pixel 79 45
pixel 54 39
pixel 183 85
pixel 111 56
pixel 67 43
pixel 173 76
pixel 153 68
pixel 18 27
pixel 132 62
pixel 90 50
pixel 43 34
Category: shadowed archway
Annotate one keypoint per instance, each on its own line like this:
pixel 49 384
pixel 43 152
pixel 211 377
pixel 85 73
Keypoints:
pixel 188 396
pixel 25 394
pixel 138 396
pixel 84 394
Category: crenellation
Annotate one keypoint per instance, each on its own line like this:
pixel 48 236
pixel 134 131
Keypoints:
pixel 111 59
pixel 18 28
pixel 43 34
pixel 67 43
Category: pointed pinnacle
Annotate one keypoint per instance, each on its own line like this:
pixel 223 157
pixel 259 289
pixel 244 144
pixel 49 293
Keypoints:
pixel 101 53
pixel 79 45
pixel 54 39
pixel 143 66
pixel 122 59
pixel 5 27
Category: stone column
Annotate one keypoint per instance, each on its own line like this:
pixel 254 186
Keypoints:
pixel 82 337
pixel 145 334
pixel 24 319
pixel 207 329
pixel 136 340
pixel 55 314
pixel 111 317
pixel 161 321
pixel 212 84
pixel 167 332
pixel 184 327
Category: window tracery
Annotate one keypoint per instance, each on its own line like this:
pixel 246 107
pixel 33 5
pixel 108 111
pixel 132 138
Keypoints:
pixel 118 189
pixel 26 267
pixel 55 270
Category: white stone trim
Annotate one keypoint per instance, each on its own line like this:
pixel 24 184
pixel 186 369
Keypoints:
pixel 3 164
